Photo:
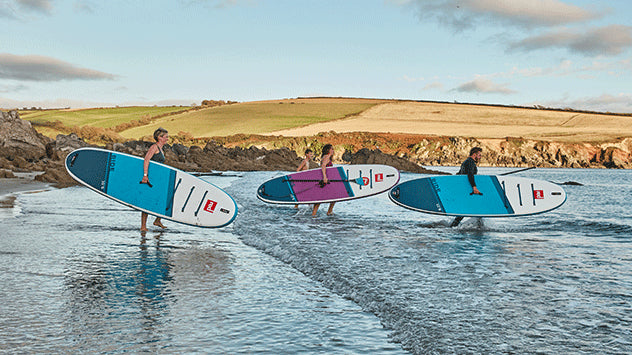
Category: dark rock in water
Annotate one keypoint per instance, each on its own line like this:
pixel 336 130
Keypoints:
pixel 6 174
pixel 55 173
pixel 572 183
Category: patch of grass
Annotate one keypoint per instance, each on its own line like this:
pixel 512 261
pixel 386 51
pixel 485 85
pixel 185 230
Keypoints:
pixel 98 117
pixel 252 117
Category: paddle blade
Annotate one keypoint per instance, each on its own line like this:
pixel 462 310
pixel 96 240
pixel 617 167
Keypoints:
pixel 358 181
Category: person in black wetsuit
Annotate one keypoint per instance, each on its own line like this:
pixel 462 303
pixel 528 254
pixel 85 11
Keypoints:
pixel 468 167
pixel 154 153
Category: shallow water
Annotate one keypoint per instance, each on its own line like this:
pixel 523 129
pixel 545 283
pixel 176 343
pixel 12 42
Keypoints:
pixel 374 278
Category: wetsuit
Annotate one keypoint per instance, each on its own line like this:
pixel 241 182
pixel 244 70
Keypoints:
pixel 159 156
pixel 469 168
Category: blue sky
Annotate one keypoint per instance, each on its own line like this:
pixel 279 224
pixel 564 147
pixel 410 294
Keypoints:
pixel 85 53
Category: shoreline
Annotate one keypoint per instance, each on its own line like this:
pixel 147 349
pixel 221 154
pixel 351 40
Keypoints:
pixel 22 183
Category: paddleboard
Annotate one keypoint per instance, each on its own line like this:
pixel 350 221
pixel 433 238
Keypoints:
pixel 172 194
pixel 503 196
pixel 346 182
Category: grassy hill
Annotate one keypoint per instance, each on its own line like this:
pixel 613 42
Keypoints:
pixel 254 117
pixel 53 122
pixel 309 116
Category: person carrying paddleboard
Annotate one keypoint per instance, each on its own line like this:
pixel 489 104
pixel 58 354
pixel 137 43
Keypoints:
pixel 326 159
pixel 469 168
pixel 305 165
pixel 156 154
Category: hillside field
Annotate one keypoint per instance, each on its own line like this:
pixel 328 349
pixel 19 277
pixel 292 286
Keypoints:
pixel 310 116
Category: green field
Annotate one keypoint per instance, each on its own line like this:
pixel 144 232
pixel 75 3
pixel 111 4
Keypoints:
pixel 241 118
pixel 251 118
pixel 97 117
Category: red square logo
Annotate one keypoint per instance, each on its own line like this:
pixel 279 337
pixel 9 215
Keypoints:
pixel 210 206
pixel 379 177
pixel 538 194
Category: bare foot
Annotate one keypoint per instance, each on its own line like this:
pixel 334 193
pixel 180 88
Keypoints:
pixel 143 229
pixel 159 224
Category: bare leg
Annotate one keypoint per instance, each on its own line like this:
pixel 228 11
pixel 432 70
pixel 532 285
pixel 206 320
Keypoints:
pixel 316 205
pixel 143 222
pixel 330 211
pixel 158 223
pixel 456 221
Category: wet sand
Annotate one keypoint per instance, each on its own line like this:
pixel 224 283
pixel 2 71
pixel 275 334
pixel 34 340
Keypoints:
pixel 9 187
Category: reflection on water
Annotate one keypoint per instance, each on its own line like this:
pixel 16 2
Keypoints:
pixel 132 291
pixel 76 275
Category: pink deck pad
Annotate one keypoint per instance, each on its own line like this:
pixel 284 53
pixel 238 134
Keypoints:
pixel 311 191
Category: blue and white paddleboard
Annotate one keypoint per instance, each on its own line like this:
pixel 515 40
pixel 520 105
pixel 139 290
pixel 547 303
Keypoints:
pixel 503 196
pixel 173 194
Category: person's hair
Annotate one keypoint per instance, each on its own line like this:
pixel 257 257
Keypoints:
pixel 475 150
pixel 307 151
pixel 159 132
pixel 326 149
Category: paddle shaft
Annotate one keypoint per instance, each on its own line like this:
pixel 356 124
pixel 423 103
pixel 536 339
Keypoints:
pixel 517 171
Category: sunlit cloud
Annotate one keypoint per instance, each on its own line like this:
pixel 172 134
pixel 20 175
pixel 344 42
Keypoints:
pixel 484 85
pixel 463 14
pixel 41 68
pixel 608 40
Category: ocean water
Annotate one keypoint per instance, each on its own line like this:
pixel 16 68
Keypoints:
pixel 76 276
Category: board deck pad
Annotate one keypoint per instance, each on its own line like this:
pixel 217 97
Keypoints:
pixel 503 196
pixel 346 183
pixel 173 194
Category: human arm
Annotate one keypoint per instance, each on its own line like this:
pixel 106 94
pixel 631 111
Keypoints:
pixel 150 153
pixel 323 168
pixel 303 165
pixel 471 170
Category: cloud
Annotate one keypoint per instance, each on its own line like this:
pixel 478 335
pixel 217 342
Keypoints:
pixel 41 6
pixel 41 68
pixel 483 85
pixel 5 89
pixel 608 40
pixel 85 7
pixel 619 103
pixel 433 86
pixel 463 14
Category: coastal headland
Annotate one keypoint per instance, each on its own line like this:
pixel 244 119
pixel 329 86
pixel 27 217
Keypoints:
pixel 272 135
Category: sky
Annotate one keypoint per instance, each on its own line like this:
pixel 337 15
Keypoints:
pixel 87 53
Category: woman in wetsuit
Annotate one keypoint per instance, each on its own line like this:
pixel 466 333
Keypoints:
pixel 325 161
pixel 156 154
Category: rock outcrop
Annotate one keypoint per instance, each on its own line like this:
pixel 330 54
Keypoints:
pixel 19 139
pixel 23 149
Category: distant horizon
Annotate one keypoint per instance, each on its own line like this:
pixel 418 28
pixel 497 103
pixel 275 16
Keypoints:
pixel 165 103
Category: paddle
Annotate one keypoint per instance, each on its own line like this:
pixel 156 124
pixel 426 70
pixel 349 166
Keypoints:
pixel 517 171
pixel 358 181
